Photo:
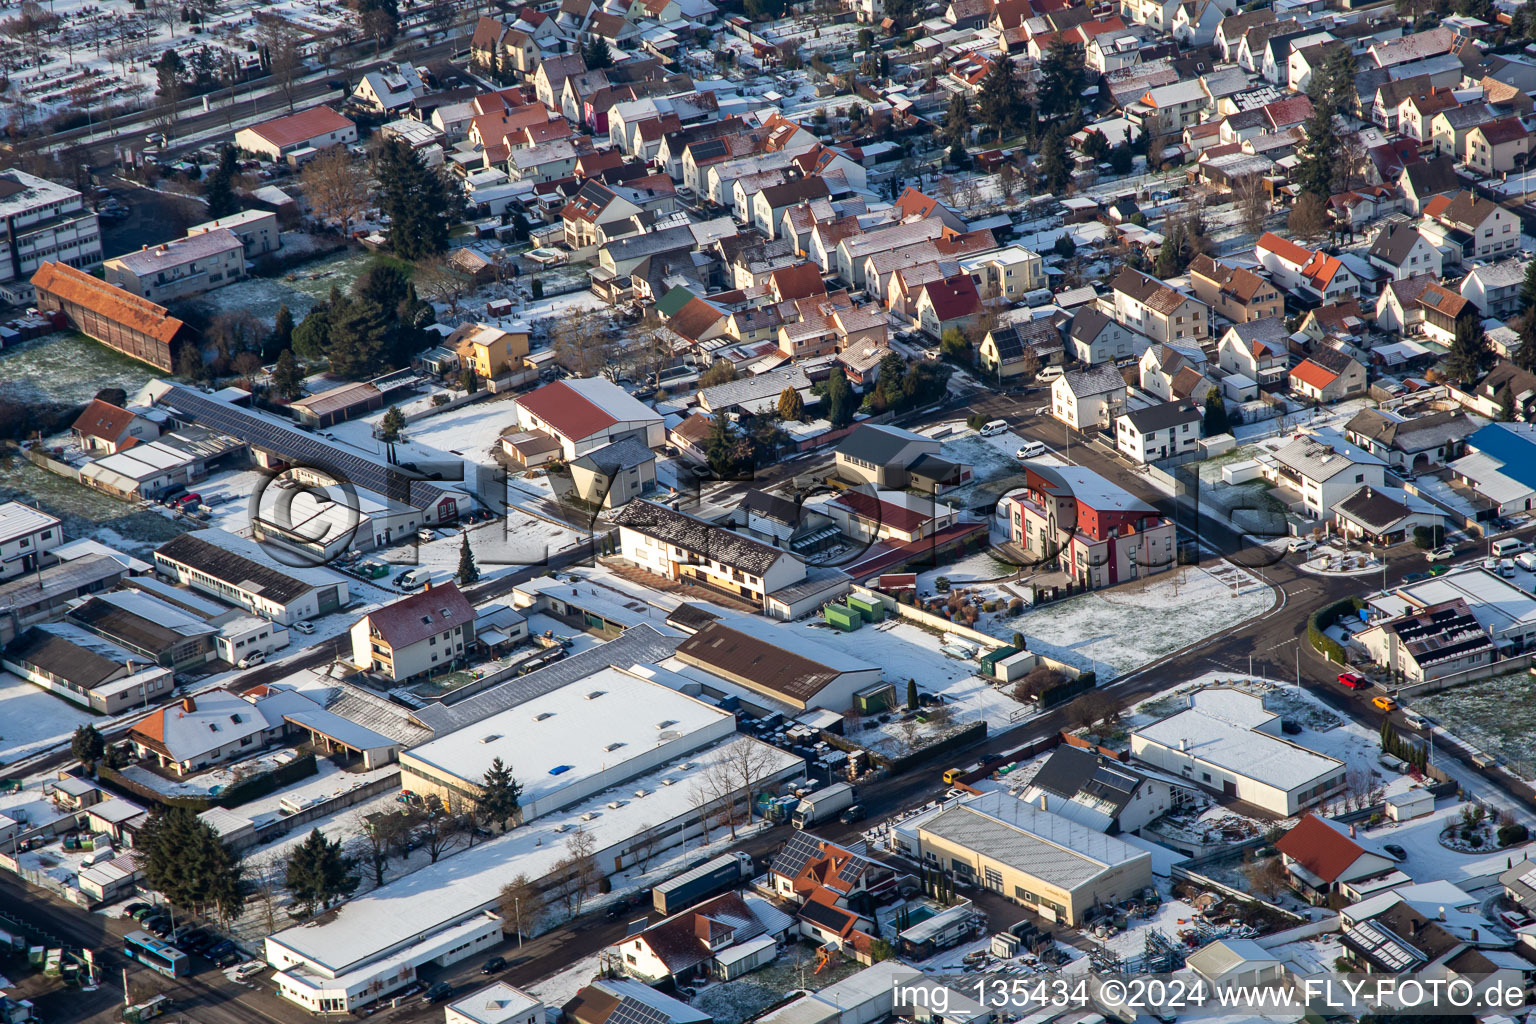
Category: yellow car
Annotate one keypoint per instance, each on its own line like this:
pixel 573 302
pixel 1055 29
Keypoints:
pixel 1385 703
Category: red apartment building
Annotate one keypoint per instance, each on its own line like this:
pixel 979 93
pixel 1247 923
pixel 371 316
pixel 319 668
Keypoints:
pixel 1097 533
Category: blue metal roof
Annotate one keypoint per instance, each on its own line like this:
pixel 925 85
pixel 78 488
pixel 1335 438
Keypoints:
pixel 1513 444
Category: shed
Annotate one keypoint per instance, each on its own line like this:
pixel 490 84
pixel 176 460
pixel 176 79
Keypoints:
pixel 989 660
pixel 1228 963
pixel 1015 666
pixel 1415 803
pixel 872 700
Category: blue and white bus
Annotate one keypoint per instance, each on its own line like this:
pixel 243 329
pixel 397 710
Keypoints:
pixel 156 955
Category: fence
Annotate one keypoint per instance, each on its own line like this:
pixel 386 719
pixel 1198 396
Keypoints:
pixel 43 880
pixel 1179 873
pixel 40 458
pixel 283 824
pixel 1468 675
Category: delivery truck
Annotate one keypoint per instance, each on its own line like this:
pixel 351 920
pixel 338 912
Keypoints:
pixel 823 805
pixel 708 879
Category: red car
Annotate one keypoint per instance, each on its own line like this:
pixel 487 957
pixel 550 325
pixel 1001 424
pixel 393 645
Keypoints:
pixel 1353 680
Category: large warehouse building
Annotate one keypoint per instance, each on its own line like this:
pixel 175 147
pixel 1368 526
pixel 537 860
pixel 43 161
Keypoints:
pixel 1048 863
pixel 370 947
pixel 573 742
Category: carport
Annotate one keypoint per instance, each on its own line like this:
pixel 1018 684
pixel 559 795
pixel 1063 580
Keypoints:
pixel 331 733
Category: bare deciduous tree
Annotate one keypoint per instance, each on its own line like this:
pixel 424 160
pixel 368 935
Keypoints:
pixel 440 281
pixel 375 840
pixel 577 870
pixel 1308 218
pixel 439 828
pixel 264 875
pixel 1252 200
pixel 521 902
pixel 281 42
pixel 336 187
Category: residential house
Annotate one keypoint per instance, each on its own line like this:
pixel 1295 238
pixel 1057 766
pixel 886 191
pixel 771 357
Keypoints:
pixel 1424 643
pixel 1070 519
pixel 1236 293
pixel 1498 147
pixel 491 351
pixel 1397 307
pixel 1258 350
pixel 829 884
pixel 612 475
pixel 1385 516
pixel 899 516
pixel 28 537
pixel 392 88
pixel 1174 372
pixel 1469 227
pixel 1102 793
pixel 949 303
pixel 1323 469
pixel 1411 446
pixel 1327 376
pixel 1163 314
pixel 1096 338
pixel 1403 252
pixel 199 732
pixel 1322 855
pixel 723 938
pixel 1158 432
pixel 179 269
pixel 1090 399
pixel 681 547
pixel 889 457
pixel 1440 310
pixel 106 428
pixel 1494 288
pixel 1499 460
pixel 1008 350
pixel 584 414
pixel 1425 180
pixel 423 634
pixel 1301 271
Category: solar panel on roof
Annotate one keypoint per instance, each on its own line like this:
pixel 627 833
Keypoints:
pixel 633 1011
pixel 797 853
pixel 296 446
pixel 852 870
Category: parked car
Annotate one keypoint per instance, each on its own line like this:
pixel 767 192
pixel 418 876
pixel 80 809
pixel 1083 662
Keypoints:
pixel 1047 375
pixel 1513 918
pixel 1417 720
pixel 220 948
pixel 1030 450
pixel 304 626
pixel 1301 544
pixel 437 993
pixel 1384 702
pixel 249 969
pixel 493 965
pixel 1353 680
pixel 1441 554
pixel 852 814
pixel 135 910
pixel 254 658
pixel 1395 850
pixel 1414 577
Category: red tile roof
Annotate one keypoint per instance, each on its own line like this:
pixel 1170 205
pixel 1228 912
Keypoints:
pixel 415 618
pixel 1285 249
pixel 301 127
pixel 1319 847
pixel 566 411
pixel 107 300
pixel 876 510
pixel 798 282
pixel 103 420
pixel 953 297
pixel 1313 374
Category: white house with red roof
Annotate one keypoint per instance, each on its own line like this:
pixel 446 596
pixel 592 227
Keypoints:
pixel 586 413
pixel 292 136
pixel 724 938
pixel 890 515
pixel 1321 855
pixel 1303 272
pixel 104 427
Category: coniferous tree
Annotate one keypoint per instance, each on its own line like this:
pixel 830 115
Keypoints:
pixel 1216 421
pixel 596 54
pixel 957 122
pixel 791 406
pixel 417 200
pixel 911 694
pixel 282 333
pixel 1055 170
pixel 182 858
pixel 468 572
pixel 999 102
pixel 842 401
pixel 500 794
pixel 1528 287
pixel 88 746
pixel 1059 93
pixel 319 874
pixel 1318 165
pixel 1469 351
pixel 285 376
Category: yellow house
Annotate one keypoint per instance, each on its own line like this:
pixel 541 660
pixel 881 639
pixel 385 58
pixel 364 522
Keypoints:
pixel 493 351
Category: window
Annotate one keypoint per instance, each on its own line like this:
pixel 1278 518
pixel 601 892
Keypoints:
pixel 1205 776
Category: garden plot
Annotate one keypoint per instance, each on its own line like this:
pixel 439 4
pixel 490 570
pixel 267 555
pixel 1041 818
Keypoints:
pixel 1118 630
pixel 468 431
pixel 980 566
pixel 1495 714
pixel 66 368
pixel 32 719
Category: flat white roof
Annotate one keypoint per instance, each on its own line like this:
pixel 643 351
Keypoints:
pixel 495 1004
pixel 573 733
pixel 415 907
pixel 18 520
pixel 1497 604
pixel 1220 729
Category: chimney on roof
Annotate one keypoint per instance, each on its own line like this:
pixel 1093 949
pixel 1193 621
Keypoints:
pixel 189 704
pixel 1351 831
pixel 1043 799
pixel 1474 934
pixel 1442 913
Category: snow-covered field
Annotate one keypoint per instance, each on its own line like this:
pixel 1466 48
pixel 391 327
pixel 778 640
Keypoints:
pixel 1495 714
pixel 32 719
pixel 1118 630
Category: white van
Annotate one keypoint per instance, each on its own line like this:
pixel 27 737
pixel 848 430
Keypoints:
pixel 993 427
pixel 1047 375
pixel 1526 560
pixel 1506 547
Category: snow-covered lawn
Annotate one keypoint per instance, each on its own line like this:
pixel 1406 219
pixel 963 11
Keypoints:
pixel 499 547
pixel 1495 714
pixel 1118 630
pixel 32 719
pixel 467 431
